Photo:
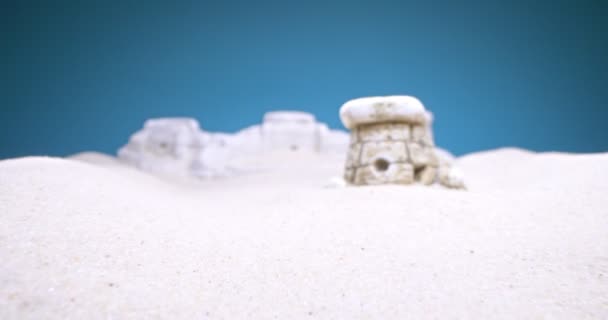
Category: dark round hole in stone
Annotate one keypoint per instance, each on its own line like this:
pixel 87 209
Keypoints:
pixel 381 164
pixel 418 172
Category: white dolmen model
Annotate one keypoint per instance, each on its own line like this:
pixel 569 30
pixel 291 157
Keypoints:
pixel 392 142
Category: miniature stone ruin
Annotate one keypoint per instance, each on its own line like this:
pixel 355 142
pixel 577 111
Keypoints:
pixel 296 130
pixel 179 147
pixel 392 143
pixel 168 146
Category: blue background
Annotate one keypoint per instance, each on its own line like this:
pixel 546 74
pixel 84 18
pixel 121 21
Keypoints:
pixel 84 75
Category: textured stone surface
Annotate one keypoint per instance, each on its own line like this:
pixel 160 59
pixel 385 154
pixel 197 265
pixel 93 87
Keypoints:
pixel 399 173
pixel 402 109
pixel 426 175
pixel 383 132
pixel 353 154
pixel 422 134
pixel 392 142
pixel 354 136
pixel 422 155
pixel 391 151
pixel 349 174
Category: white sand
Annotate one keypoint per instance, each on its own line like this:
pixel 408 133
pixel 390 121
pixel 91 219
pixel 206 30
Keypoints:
pixel 92 239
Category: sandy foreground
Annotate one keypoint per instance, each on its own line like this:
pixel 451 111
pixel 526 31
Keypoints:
pixel 89 238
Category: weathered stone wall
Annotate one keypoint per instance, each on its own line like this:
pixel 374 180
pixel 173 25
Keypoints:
pixel 401 153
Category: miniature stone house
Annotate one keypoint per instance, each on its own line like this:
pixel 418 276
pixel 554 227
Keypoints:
pixel 391 142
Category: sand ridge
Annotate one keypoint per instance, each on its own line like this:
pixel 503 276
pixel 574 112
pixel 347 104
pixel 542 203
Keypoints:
pixel 91 238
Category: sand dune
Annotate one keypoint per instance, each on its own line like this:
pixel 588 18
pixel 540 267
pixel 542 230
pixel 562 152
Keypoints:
pixel 90 238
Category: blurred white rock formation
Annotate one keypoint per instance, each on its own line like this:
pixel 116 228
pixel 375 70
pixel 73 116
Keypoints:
pixel 179 147
pixel 290 130
pixel 165 146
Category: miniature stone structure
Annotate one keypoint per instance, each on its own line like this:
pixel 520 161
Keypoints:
pixel 179 147
pixel 290 130
pixel 168 146
pixel 392 142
